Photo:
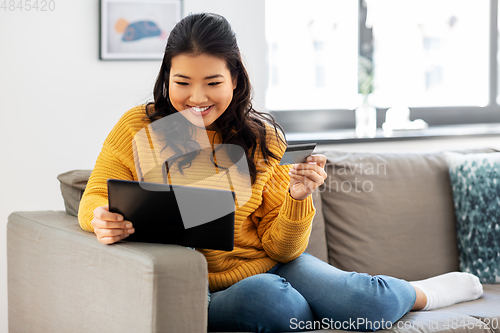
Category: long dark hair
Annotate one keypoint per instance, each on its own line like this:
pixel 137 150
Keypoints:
pixel 240 124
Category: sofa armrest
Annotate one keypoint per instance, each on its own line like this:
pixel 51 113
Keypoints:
pixel 61 279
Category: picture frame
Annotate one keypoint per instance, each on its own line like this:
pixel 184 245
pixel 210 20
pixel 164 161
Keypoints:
pixel 136 29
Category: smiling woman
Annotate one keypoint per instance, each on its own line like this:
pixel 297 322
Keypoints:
pixel 266 280
pixel 202 85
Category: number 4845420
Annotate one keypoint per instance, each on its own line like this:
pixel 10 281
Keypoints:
pixel 28 5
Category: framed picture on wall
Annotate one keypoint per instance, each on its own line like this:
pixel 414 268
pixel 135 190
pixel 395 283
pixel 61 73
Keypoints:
pixel 136 29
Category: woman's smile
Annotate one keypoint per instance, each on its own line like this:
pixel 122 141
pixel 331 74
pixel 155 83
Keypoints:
pixel 200 88
pixel 200 110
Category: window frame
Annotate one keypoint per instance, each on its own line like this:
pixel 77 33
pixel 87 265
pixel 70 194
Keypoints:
pixel 303 121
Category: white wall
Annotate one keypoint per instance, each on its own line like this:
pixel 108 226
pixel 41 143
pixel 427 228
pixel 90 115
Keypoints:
pixel 58 101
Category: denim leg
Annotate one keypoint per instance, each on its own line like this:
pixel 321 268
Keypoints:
pixel 259 303
pixel 366 303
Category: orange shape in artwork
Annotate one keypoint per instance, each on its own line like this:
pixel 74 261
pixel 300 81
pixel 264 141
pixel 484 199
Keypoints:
pixel 121 25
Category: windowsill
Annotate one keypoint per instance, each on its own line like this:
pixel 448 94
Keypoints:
pixel 349 136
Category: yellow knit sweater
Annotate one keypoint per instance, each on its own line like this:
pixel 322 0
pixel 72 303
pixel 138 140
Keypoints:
pixel 270 226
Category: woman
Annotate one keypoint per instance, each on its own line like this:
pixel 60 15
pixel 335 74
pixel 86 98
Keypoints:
pixel 266 283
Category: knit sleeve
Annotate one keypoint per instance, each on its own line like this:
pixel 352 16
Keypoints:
pixel 283 223
pixel 107 166
pixel 115 161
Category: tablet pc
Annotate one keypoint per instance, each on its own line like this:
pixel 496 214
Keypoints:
pixel 157 210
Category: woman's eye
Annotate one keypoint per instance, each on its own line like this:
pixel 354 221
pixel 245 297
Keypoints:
pixel 214 83
pixel 182 83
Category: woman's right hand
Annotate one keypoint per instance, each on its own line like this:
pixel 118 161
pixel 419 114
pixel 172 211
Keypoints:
pixel 110 227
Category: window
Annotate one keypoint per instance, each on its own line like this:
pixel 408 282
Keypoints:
pixel 312 54
pixel 434 53
pixel 438 57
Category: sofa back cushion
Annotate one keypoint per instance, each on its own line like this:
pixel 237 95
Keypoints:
pixel 317 241
pixel 390 213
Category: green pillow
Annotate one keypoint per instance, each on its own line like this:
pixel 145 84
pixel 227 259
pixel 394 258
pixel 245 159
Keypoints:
pixel 475 180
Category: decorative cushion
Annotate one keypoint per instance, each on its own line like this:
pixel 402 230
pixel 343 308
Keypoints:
pixel 390 213
pixel 475 180
pixel 72 186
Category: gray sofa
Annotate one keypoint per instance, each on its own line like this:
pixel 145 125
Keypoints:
pixel 379 213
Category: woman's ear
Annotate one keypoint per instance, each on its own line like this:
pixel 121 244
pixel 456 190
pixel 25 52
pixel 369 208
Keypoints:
pixel 235 82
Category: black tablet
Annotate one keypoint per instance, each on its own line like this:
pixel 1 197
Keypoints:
pixel 168 214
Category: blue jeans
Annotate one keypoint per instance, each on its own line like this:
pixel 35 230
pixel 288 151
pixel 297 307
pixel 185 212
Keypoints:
pixel 307 294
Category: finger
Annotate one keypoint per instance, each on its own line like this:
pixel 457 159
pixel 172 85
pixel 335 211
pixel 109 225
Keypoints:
pixel 317 168
pixel 103 213
pixel 110 240
pixel 114 232
pixel 307 166
pixel 302 179
pixel 100 224
pixel 312 174
pixel 304 168
pixel 318 159
pixel 106 241
pixel 307 182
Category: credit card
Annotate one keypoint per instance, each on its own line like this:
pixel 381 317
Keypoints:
pixel 297 153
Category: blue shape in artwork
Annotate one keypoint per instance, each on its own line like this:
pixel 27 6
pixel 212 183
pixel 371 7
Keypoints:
pixel 139 30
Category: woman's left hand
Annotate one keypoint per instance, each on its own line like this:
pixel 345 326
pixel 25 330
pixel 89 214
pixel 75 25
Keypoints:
pixel 306 177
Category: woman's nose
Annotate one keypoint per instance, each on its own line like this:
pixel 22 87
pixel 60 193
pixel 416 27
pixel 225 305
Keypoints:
pixel 198 96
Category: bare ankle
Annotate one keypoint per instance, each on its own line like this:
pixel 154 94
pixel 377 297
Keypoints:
pixel 421 300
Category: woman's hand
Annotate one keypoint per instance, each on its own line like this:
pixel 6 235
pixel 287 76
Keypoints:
pixel 306 177
pixel 110 227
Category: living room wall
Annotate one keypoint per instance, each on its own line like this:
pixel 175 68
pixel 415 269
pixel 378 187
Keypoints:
pixel 58 101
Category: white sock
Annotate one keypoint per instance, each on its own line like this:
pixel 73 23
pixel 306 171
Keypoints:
pixel 450 288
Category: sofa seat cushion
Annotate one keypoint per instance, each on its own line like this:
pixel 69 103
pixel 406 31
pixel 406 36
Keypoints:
pixel 486 308
pixel 481 315
pixel 390 213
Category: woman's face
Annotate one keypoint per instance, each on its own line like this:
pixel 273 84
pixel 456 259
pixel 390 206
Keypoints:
pixel 200 88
